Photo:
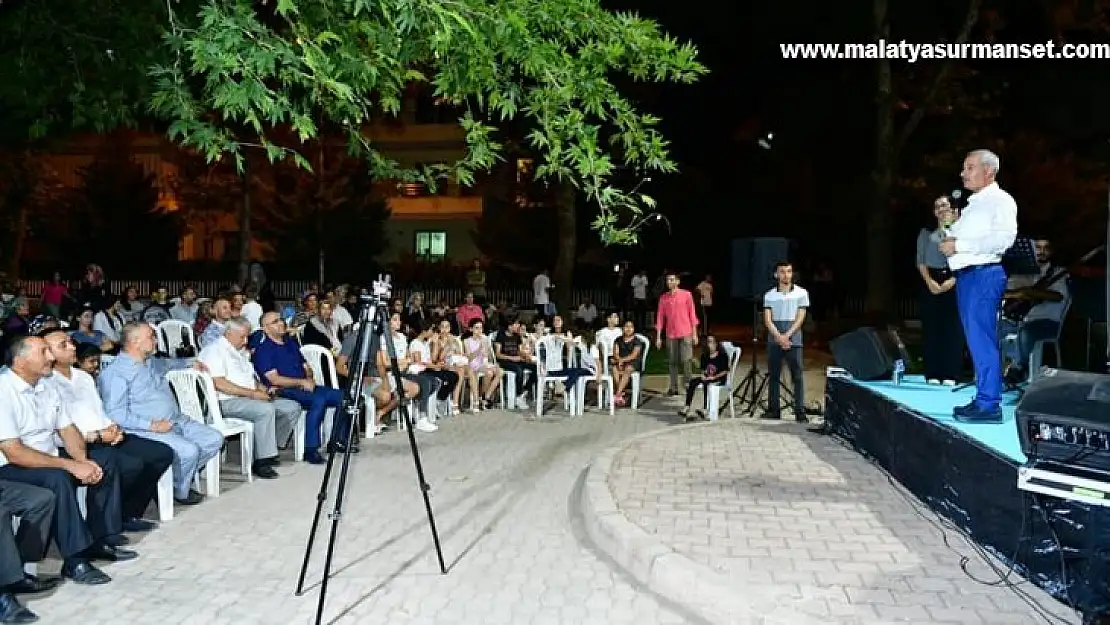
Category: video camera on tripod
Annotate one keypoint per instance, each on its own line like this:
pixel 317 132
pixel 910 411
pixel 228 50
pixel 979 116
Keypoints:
pixel 373 318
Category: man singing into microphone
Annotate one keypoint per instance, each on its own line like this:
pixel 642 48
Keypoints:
pixel 974 247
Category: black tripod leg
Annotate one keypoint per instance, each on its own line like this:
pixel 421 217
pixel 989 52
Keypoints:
pixel 424 488
pixel 337 511
pixel 321 498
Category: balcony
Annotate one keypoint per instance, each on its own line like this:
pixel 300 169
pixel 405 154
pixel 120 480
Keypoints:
pixel 435 207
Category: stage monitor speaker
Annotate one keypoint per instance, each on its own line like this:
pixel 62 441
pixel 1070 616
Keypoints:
pixel 753 265
pixel 1064 418
pixel 864 353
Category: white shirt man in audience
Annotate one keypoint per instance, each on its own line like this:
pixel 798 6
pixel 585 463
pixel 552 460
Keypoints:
pixel 32 418
pixel 252 310
pixel 186 309
pixel 140 400
pixel 35 508
pixel 587 314
pixel 221 312
pixel 242 396
pixel 141 462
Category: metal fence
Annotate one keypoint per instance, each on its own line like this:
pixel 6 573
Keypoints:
pixel 294 289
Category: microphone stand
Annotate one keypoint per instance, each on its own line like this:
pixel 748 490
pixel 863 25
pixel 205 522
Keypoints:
pixel 373 318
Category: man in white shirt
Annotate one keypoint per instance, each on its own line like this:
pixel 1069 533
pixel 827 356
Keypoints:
pixel 252 310
pixel 243 397
pixel 974 247
pixel 639 299
pixel 705 302
pixel 32 417
pixel 141 462
pixel 587 315
pixel 541 285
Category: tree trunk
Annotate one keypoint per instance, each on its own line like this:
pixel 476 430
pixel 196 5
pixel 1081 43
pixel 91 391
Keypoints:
pixel 320 215
pixel 880 277
pixel 245 228
pixel 566 220
pixel 19 240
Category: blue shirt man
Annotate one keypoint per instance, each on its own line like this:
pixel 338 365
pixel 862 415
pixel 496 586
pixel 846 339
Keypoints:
pixel 141 402
pixel 974 247
pixel 277 360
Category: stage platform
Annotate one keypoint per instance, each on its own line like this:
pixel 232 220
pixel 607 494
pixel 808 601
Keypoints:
pixel 968 474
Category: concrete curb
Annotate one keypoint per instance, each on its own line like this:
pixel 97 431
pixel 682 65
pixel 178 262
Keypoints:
pixel 650 561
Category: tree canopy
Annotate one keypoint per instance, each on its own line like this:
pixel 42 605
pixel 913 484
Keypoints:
pixel 227 76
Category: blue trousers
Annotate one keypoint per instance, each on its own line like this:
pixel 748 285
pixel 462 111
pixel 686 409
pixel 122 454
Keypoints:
pixel 316 404
pixel 979 290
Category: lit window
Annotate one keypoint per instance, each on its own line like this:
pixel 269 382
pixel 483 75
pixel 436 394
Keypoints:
pixel 524 170
pixel 431 245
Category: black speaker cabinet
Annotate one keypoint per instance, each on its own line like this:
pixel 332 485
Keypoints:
pixel 1064 418
pixel 864 353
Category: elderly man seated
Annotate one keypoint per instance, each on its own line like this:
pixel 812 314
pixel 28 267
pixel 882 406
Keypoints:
pixel 242 396
pixel 35 508
pixel 140 400
pixel 141 462
pixel 279 364
pixel 32 416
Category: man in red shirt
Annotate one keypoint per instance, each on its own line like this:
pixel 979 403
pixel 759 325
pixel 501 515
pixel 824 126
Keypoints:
pixel 677 319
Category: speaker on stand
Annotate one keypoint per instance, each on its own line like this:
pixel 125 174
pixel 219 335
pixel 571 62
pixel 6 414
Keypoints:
pixel 753 274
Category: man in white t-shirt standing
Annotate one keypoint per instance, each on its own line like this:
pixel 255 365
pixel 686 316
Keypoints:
pixel 639 300
pixel 705 302
pixel 252 310
pixel 541 293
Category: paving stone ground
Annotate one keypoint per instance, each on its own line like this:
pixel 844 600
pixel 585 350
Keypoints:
pixel 502 489
pixel 805 526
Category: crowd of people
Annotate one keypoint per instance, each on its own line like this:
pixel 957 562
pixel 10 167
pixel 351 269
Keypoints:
pixel 89 423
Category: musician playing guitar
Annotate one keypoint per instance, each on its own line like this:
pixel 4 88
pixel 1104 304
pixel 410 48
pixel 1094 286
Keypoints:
pixel 1034 314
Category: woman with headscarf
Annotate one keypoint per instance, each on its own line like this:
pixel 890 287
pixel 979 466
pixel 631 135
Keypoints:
pixel 415 317
pixel 20 320
pixel 321 329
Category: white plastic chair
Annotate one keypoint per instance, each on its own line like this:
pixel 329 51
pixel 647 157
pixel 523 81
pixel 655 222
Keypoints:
pixel 1036 356
pixel 550 355
pixel 605 384
pixel 322 364
pixel 196 397
pixel 645 347
pixel 713 392
pixel 169 336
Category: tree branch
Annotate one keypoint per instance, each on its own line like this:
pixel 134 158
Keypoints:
pixel 970 18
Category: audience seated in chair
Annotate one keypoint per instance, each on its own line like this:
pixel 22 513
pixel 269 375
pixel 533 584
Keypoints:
pixel 626 360
pixel 141 462
pixel 32 417
pixel 242 396
pixel 221 312
pixel 141 401
pixel 511 358
pixel 35 508
pixel 280 366
pixel 426 385
pixel 375 384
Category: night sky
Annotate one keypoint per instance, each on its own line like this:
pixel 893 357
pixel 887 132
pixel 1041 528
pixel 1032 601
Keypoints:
pixel 812 186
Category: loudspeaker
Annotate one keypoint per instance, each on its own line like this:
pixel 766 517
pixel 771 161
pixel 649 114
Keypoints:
pixel 753 265
pixel 865 353
pixel 1064 418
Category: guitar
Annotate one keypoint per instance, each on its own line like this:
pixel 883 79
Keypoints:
pixel 1018 303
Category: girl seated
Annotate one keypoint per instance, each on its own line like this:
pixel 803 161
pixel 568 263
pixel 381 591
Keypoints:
pixel 714 365
pixel 482 364
pixel 625 361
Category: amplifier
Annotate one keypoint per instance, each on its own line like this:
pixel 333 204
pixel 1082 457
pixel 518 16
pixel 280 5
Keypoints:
pixel 1064 418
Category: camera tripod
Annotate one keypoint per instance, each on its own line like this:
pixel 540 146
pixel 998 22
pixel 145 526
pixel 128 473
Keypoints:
pixel 373 318
pixel 751 389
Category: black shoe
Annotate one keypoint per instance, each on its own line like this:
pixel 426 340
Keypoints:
pixel 271 462
pixel 191 500
pixel 85 574
pixel 264 471
pixel 979 415
pixel 11 611
pixel 31 585
pixel 336 447
pixel 801 417
pixel 962 410
pixel 771 416
pixel 139 525
pixel 314 457
pixel 118 540
pixel 108 553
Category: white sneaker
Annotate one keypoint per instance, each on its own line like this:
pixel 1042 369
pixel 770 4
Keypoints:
pixel 933 381
pixel 949 383
pixel 425 425
pixel 522 403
